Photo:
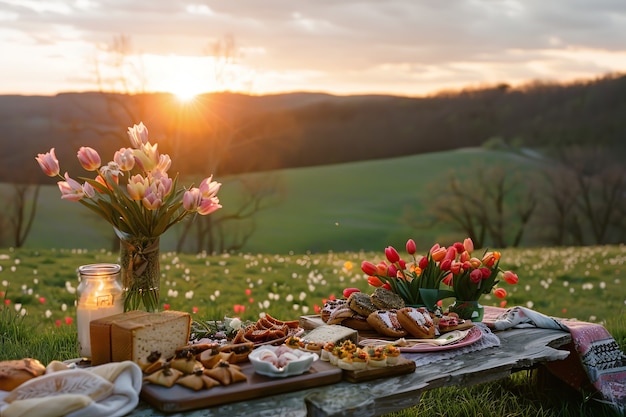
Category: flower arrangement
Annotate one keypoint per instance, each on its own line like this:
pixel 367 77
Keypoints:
pixel 135 194
pixel 148 202
pixel 467 276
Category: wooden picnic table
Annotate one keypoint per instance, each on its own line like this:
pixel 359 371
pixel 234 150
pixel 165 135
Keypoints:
pixel 519 349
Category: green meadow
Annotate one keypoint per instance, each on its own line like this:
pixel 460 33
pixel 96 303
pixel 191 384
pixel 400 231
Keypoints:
pixel 345 207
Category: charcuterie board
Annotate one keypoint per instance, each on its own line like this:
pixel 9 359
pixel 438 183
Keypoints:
pixel 179 398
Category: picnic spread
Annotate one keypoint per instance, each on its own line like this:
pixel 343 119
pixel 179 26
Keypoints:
pixel 253 373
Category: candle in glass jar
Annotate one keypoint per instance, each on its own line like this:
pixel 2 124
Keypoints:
pixel 99 295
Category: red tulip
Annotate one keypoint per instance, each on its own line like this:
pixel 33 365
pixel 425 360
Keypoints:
pixel 476 276
pixel 445 264
pixel 369 268
pixel 459 247
pixel 410 247
pixel 510 277
pixel 348 291
pixel 392 254
pixel 423 263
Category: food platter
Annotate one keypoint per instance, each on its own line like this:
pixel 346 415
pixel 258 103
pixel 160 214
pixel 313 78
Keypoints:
pixel 451 340
pixel 473 335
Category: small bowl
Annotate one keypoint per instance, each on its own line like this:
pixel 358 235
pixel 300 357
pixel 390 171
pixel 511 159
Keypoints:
pixel 294 367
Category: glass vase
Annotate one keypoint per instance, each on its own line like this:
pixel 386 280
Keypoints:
pixel 468 310
pixel 141 272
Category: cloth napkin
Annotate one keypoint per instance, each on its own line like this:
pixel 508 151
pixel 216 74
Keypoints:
pixel 597 358
pixel 126 378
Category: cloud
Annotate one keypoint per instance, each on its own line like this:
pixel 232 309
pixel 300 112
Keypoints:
pixel 346 45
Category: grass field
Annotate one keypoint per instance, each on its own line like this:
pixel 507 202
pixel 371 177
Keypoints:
pixel 584 283
pixel 37 318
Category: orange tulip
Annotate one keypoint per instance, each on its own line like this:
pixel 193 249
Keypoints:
pixel 499 293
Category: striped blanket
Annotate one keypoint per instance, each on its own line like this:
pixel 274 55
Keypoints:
pixel 597 360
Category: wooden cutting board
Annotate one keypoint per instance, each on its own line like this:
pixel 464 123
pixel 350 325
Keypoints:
pixel 179 398
pixel 404 366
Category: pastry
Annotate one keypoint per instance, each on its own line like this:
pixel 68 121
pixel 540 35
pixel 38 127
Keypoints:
pixel 417 322
pixel 165 376
pixel 361 303
pixel 15 372
pixel 386 323
pixel 384 299
pixel 451 321
pixel 329 307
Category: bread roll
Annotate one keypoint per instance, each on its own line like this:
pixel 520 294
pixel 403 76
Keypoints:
pixel 386 323
pixel 15 372
pixel 360 303
pixel 384 299
pixel 417 322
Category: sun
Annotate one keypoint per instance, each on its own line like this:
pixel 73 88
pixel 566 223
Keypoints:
pixel 184 77
pixel 185 90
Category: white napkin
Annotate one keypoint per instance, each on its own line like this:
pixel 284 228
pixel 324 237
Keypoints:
pixel 127 380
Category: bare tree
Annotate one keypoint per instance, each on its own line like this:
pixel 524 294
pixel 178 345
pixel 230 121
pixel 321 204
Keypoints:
pixel 586 197
pixel 491 205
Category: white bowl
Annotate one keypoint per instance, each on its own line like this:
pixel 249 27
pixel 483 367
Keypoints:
pixel 294 367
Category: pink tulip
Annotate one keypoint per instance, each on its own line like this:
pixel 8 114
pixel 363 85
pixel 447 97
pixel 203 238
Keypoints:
pixel 165 162
pixel 191 199
pixel 151 200
pixel 49 163
pixel 468 244
pixel 209 188
pixel 138 135
pixel 89 158
pixel 208 206
pixel 392 254
pixel 71 189
pixel 410 247
pixel 125 159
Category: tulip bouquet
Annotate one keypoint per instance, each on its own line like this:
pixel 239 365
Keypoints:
pixel 412 280
pixel 135 194
pixel 148 202
pixel 466 276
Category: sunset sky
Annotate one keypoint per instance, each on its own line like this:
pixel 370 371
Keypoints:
pixel 401 47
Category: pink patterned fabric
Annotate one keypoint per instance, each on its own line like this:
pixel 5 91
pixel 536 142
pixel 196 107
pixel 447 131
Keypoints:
pixel 600 363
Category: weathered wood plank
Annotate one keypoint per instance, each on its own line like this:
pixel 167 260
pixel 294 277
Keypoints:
pixel 519 349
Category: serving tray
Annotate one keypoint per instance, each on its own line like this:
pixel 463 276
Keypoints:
pixel 179 398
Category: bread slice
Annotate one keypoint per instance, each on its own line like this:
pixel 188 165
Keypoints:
pixel 100 335
pixel 384 299
pixel 331 333
pixel 137 338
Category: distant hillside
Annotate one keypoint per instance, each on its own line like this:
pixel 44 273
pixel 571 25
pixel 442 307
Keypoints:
pixel 233 133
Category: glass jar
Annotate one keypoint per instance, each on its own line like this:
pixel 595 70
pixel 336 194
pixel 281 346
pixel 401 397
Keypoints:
pixel 99 294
